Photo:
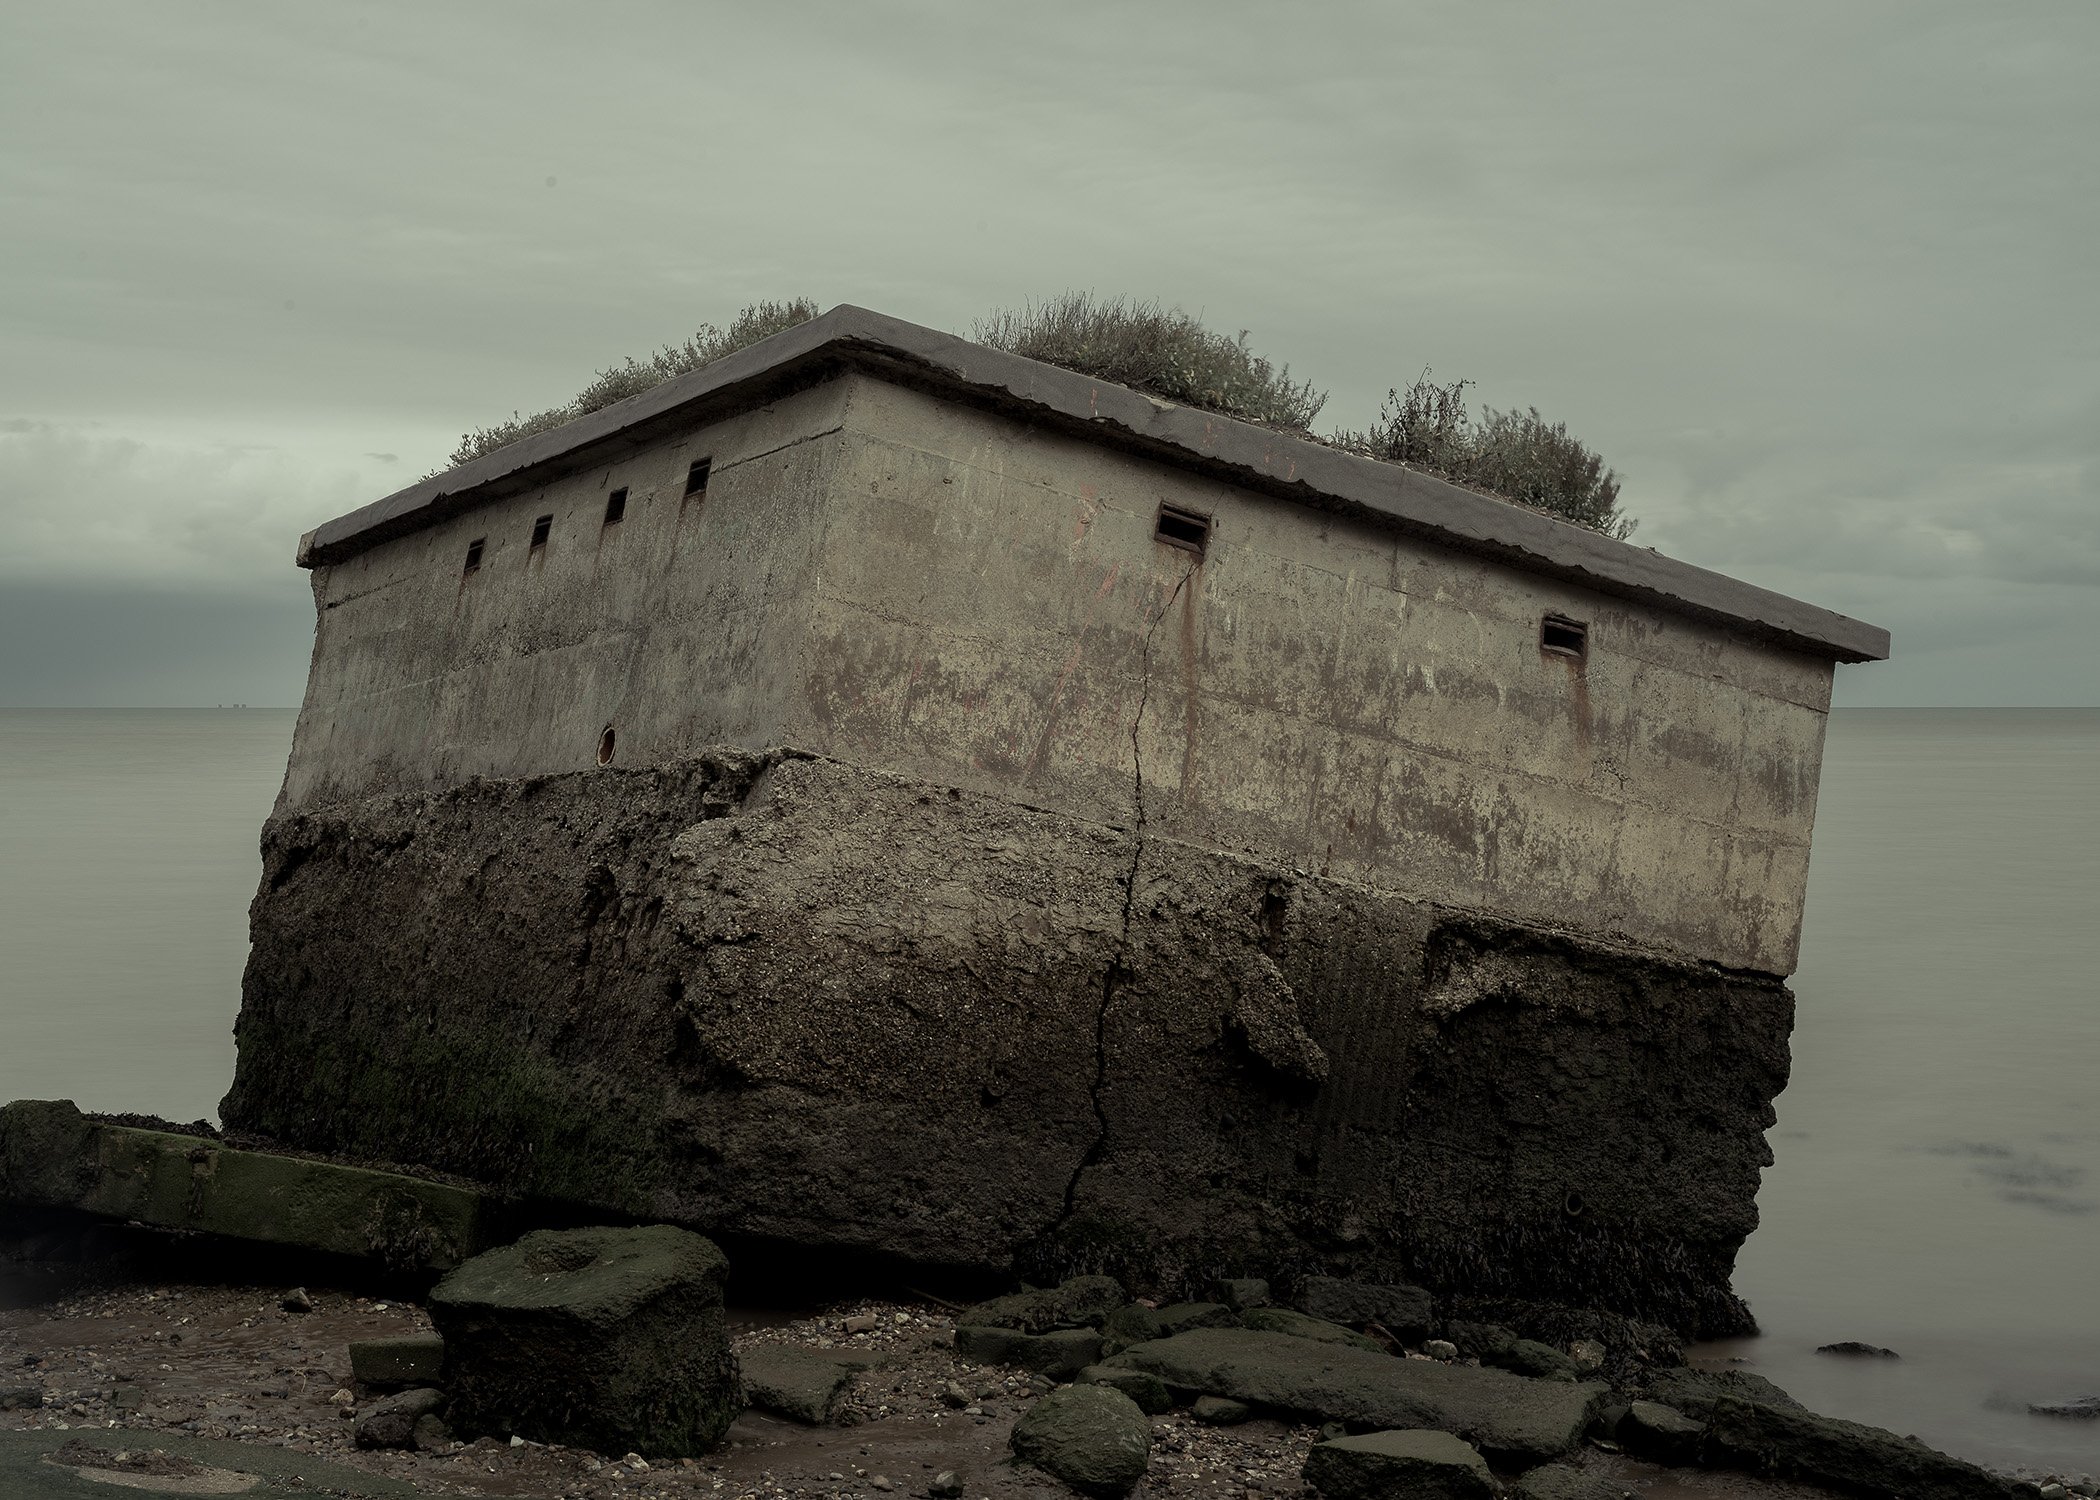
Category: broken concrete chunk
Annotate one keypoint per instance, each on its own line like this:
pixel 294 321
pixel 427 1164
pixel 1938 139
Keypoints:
pixel 1795 1444
pixel 1516 1422
pixel 21 1397
pixel 1148 1391
pixel 1060 1355
pixel 1403 1311
pixel 1220 1411
pixel 1694 1392
pixel 409 1359
pixel 611 1339
pixel 391 1423
pixel 1082 1302
pixel 1092 1437
pixel 803 1385
pixel 430 1434
pixel 1659 1432
pixel 1302 1326
pixel 1588 1355
pixel 1419 1463
pixel 52 1156
pixel 1567 1482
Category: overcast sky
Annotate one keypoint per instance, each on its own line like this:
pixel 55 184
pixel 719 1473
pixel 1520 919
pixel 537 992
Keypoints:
pixel 1818 280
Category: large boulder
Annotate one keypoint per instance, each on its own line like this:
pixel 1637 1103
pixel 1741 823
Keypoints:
pixel 1093 1437
pixel 1403 1311
pixel 611 1339
pixel 1421 1464
pixel 1788 1443
pixel 1516 1422
pixel 1566 1481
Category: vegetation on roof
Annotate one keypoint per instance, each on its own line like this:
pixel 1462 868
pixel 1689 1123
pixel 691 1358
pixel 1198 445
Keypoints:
pixel 760 320
pixel 1151 348
pixel 1513 455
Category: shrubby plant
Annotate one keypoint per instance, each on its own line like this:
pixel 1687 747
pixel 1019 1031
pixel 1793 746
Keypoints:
pixel 1516 455
pixel 759 320
pixel 1150 348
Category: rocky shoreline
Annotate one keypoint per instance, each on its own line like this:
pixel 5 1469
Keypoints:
pixel 917 1415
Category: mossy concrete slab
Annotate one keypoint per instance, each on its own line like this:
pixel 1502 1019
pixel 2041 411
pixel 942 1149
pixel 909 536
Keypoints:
pixel 1515 1421
pixel 408 1359
pixel 1422 1464
pixel 223 1467
pixel 52 1156
pixel 803 1385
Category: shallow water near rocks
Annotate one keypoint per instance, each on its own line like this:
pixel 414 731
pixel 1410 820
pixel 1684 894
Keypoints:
pixel 1937 1188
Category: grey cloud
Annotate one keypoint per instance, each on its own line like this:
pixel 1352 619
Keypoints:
pixel 1813 278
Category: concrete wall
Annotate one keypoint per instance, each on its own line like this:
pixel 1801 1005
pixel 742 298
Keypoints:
pixel 993 611
pixel 682 626
pixel 903 582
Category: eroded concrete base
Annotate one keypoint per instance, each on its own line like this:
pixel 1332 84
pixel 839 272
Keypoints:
pixel 779 997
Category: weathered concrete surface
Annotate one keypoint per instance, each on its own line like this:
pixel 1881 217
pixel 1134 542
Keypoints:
pixel 52 1156
pixel 896 581
pixel 778 997
pixel 803 1385
pixel 28 1468
pixel 1514 1421
pixel 612 1339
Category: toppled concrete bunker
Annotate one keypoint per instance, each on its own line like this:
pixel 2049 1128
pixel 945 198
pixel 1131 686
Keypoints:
pixel 884 794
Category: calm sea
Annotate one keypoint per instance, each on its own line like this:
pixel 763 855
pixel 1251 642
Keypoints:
pixel 1936 1188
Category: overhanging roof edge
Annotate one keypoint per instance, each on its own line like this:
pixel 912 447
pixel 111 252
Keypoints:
pixel 1290 467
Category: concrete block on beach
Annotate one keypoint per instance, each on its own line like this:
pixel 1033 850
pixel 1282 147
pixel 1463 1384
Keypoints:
pixel 53 1156
pixel 611 1339
pixel 1421 1463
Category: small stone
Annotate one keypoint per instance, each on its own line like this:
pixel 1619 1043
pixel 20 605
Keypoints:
pixel 391 1423
pixel 1243 1292
pixel 1419 1463
pixel 634 1461
pixel 1588 1355
pixel 954 1395
pixel 947 1485
pixel 430 1434
pixel 1857 1350
pixel 342 1398
pixel 863 1323
pixel 1529 1357
pixel 2053 1491
pixel 881 1482
pixel 296 1301
pixel 1220 1411
pixel 1440 1349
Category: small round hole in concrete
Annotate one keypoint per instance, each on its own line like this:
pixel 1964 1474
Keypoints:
pixel 605 746
pixel 1572 1205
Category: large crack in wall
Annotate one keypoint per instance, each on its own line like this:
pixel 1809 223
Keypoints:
pixel 1118 968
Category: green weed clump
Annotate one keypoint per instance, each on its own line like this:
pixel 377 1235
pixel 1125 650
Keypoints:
pixel 1150 348
pixel 1516 455
pixel 759 320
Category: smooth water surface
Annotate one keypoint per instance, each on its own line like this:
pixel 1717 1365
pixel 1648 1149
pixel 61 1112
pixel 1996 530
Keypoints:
pixel 1937 1188
pixel 129 844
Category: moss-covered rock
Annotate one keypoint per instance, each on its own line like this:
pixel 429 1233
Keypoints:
pixel 1419 1463
pixel 1092 1437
